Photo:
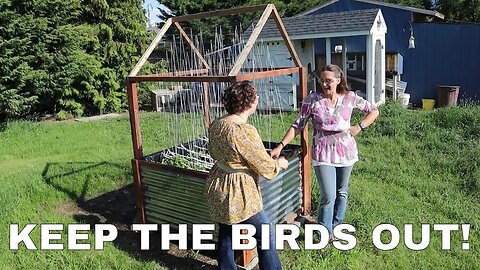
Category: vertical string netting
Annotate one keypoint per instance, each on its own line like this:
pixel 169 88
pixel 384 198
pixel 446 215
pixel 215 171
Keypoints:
pixel 181 114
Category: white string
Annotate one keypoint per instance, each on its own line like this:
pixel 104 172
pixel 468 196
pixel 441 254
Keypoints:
pixel 185 116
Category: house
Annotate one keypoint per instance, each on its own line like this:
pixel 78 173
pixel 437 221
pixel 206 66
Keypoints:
pixel 334 30
pixel 443 53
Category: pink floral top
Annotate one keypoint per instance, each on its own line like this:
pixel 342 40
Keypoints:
pixel 332 142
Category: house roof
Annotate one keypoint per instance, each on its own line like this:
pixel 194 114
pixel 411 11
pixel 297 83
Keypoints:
pixel 412 9
pixel 354 22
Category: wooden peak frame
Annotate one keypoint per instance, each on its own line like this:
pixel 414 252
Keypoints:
pixel 199 75
pixel 202 75
pixel 268 10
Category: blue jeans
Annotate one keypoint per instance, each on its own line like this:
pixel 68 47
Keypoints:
pixel 333 185
pixel 268 259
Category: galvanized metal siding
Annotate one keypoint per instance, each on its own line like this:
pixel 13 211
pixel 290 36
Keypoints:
pixel 282 195
pixel 178 198
pixel 174 198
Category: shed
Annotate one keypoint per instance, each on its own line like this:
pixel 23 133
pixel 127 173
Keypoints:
pixel 303 31
pixel 440 47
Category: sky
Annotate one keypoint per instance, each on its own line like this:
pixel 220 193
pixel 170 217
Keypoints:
pixel 154 6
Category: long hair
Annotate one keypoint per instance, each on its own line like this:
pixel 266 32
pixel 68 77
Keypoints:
pixel 342 87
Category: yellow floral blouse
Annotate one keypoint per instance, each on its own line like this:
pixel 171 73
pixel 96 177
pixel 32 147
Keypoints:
pixel 232 189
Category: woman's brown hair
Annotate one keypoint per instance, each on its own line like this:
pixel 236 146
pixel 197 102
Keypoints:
pixel 342 87
pixel 239 97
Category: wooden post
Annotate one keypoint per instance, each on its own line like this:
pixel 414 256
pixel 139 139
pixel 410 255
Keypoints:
pixel 137 146
pixel 251 40
pixel 206 104
pixel 150 48
pixel 137 179
pixel 286 38
pixel 219 13
pixel 195 50
pixel 306 173
pixel 245 257
pixel 134 119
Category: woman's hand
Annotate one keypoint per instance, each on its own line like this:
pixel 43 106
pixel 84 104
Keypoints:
pixel 275 153
pixel 354 130
pixel 282 162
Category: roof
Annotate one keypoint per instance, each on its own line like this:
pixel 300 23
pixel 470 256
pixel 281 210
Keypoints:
pixel 323 25
pixel 412 9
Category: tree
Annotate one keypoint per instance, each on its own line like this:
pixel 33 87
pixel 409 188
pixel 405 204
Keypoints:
pixel 68 55
pixel 426 4
pixel 459 10
pixel 454 10
pixel 228 24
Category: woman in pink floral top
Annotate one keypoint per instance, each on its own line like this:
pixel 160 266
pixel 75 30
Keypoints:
pixel 334 149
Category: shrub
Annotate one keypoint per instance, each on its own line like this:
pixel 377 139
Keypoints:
pixel 63 115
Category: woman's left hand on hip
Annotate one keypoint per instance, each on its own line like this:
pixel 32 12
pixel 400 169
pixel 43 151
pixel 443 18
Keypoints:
pixel 354 130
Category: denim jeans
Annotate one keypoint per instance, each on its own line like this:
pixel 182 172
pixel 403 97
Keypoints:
pixel 333 185
pixel 268 259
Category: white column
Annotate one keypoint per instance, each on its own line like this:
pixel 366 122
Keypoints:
pixel 344 56
pixel 369 68
pixel 314 62
pixel 382 86
pixel 328 51
pixel 395 87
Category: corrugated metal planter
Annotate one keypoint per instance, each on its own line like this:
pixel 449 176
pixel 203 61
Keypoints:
pixel 166 194
pixel 175 195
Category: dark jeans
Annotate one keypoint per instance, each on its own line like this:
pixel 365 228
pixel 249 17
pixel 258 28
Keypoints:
pixel 268 259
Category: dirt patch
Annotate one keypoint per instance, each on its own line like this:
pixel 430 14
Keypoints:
pixel 118 208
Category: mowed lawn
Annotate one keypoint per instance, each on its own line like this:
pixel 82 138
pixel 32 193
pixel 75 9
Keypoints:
pixel 416 167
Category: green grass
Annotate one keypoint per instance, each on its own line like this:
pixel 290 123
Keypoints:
pixel 45 167
pixel 416 167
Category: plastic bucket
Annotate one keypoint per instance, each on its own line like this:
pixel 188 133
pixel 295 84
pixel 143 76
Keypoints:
pixel 428 104
pixel 404 98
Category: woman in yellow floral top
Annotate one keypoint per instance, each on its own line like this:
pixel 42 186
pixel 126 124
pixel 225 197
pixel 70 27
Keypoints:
pixel 232 188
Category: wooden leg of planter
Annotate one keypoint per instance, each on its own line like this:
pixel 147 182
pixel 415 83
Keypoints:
pixel 138 191
pixel 246 259
pixel 306 203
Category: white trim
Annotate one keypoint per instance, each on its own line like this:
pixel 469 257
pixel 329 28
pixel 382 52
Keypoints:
pixel 408 8
pixel 412 9
pixel 321 35
pixel 380 18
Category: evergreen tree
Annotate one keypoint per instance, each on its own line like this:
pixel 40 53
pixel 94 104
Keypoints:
pixel 459 10
pixel 208 27
pixel 70 55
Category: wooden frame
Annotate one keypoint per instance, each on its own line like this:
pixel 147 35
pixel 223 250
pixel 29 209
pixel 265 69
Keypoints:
pixel 199 76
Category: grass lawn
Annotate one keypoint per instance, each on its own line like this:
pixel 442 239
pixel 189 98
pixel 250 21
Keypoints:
pixel 416 167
